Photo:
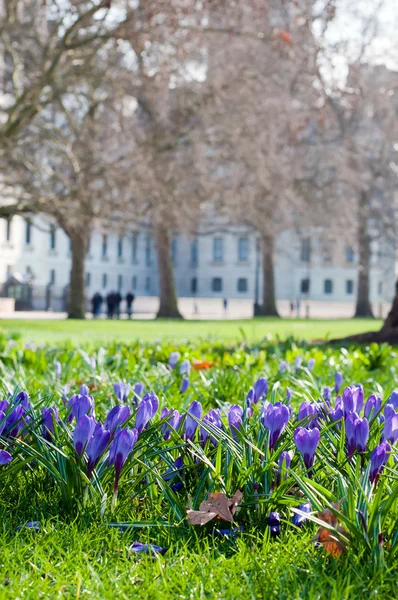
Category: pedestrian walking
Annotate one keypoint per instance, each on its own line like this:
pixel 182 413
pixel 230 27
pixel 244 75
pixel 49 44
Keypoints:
pixel 110 303
pixel 118 301
pixel 96 303
pixel 129 303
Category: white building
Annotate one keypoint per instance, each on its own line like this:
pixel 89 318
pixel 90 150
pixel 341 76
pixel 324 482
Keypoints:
pixel 215 265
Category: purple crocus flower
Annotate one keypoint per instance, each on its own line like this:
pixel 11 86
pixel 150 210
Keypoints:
pixel 378 459
pixel 357 433
pixel 184 385
pixel 306 441
pixel 260 389
pixel 120 448
pixel 250 401
pixel 172 421
pixel 213 417
pixel 307 411
pixel 116 417
pixel 195 410
pixel 147 548
pixel 282 367
pixel 84 391
pixel 33 525
pixel 122 391
pixel 299 520
pixel 2 421
pixel 297 363
pixel 5 457
pixel 393 399
pixel 390 432
pixel 288 395
pixel 327 395
pixel 372 407
pixel 57 368
pixel 338 412
pixel 15 421
pixel 80 405
pixel 96 446
pixel 173 359
pixel 284 463
pixel 138 389
pixel 185 367
pixel 311 364
pixel 274 523
pixel 235 415
pixel 338 380
pixel 275 419
pixel 83 431
pixel 147 409
pixel 23 399
pixel 353 399
pixel 50 416
pixel 4 405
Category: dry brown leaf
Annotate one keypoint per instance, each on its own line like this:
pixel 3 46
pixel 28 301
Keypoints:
pixel 216 506
pixel 332 544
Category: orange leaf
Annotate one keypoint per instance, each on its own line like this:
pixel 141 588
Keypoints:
pixel 199 365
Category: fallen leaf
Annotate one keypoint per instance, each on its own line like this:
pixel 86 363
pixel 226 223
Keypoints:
pixel 199 365
pixel 333 544
pixel 216 506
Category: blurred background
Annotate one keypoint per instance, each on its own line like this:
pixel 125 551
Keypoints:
pixel 205 159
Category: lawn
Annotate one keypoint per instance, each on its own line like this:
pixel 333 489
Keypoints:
pixel 39 331
pixel 82 545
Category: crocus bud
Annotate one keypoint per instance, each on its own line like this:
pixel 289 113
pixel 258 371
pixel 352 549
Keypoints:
pixel 260 389
pixel 5 457
pixel 299 520
pixel 307 441
pixel 84 391
pixel 275 420
pixel 195 410
pixel 57 368
pixel 122 391
pixel 173 359
pixel 185 367
pixel 96 446
pixel 138 389
pixel 184 385
pixel 311 364
pixel 235 415
pixel 274 524
pixel 116 417
pixel 83 431
pixel 378 459
pixel 338 380
pixel 120 448
pixel 50 416
pixel 372 407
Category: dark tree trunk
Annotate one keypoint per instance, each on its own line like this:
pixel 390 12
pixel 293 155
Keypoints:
pixel 268 307
pixel 77 293
pixel 168 306
pixel 363 307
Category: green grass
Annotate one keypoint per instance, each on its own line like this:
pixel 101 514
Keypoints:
pixel 76 555
pixel 74 561
pixel 39 331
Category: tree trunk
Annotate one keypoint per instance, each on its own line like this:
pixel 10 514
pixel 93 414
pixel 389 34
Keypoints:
pixel 268 307
pixel 77 295
pixel 168 307
pixel 363 307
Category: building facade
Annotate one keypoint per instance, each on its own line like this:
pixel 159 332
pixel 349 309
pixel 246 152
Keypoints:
pixel 220 264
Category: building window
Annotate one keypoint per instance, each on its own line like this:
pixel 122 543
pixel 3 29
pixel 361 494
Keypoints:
pixel 134 282
pixel 104 245
pixel 148 251
pixel 194 251
pixel 327 255
pixel 52 276
pixel 218 250
pixel 8 229
pixel 216 284
pixel 194 285
pixel 328 286
pixel 88 279
pixel 174 247
pixel 104 280
pixel 380 288
pixel 147 284
pixel 305 286
pixel 28 233
pixel 306 250
pixel 242 284
pixel 243 249
pixel 119 282
pixel 349 254
pixel 134 247
pixel 53 239
pixel 349 287
pixel 120 247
